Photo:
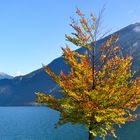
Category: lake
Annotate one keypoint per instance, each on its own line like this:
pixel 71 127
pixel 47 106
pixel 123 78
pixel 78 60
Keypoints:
pixel 35 123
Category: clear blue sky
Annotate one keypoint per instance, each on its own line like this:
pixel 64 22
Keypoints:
pixel 32 31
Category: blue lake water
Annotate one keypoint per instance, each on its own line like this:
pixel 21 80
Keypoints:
pixel 35 123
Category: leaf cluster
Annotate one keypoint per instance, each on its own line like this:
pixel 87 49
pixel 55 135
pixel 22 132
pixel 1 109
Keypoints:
pixel 115 94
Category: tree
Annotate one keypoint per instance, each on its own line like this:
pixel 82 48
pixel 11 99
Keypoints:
pixel 99 91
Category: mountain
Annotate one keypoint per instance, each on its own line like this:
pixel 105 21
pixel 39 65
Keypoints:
pixel 5 76
pixel 21 90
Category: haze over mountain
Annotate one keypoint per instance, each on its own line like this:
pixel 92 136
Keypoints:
pixel 21 90
pixel 5 76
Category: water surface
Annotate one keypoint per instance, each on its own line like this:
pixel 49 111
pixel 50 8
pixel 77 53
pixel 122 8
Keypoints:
pixel 35 123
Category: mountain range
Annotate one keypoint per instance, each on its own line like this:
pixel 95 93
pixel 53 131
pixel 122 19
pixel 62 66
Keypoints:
pixel 5 76
pixel 20 91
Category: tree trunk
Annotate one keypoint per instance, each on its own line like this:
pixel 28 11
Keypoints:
pixel 90 136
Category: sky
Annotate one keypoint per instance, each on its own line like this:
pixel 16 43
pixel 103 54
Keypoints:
pixel 32 32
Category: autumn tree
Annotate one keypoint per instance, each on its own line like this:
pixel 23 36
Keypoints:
pixel 99 91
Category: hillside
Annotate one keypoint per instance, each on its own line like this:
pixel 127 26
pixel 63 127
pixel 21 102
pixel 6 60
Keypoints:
pixel 20 90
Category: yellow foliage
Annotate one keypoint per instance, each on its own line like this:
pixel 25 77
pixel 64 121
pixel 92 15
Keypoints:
pixel 95 95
